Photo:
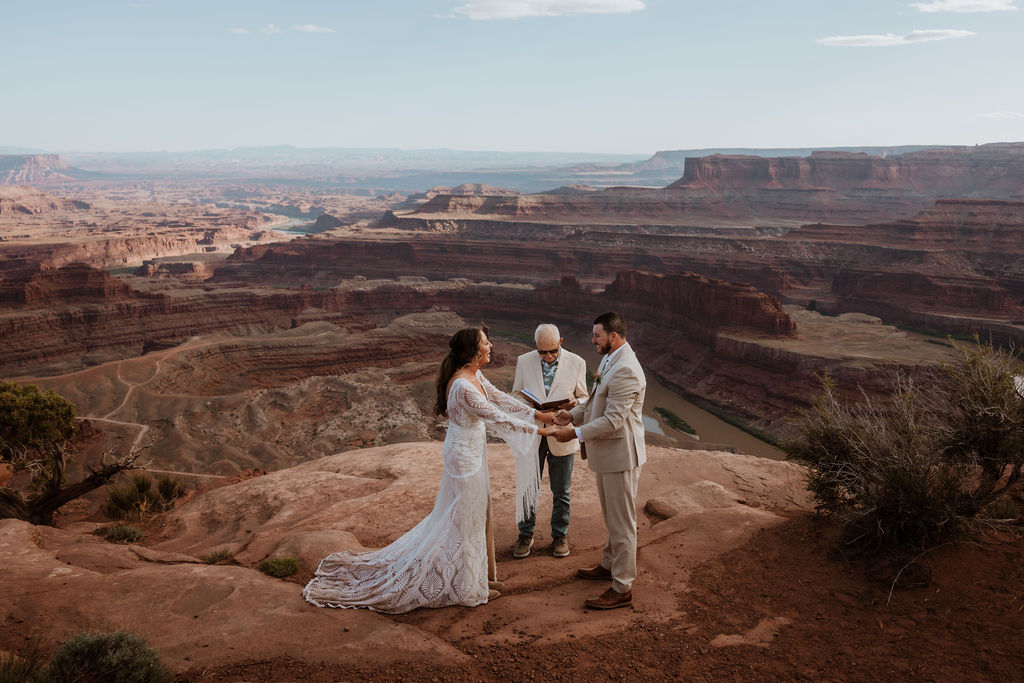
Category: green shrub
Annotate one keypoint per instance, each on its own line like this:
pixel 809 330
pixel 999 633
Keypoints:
pixel 279 566
pixel 115 657
pixel 217 557
pixel 917 469
pixel 37 429
pixel 170 489
pixel 136 498
pixel 674 421
pixel 118 533
pixel 29 667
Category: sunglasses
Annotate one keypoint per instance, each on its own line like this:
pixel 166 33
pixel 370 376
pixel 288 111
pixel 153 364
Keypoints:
pixel 547 352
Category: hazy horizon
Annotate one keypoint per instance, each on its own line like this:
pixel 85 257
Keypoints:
pixel 622 77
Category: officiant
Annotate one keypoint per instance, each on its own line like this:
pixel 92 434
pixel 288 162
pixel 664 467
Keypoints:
pixel 547 379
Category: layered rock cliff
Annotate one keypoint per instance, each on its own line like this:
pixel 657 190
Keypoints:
pixel 71 284
pixel 102 312
pixel 29 169
pixel 826 186
pixel 956 267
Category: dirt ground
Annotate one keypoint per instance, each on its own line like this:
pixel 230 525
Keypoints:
pixel 784 606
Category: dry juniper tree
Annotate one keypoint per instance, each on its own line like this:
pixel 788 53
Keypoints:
pixel 36 428
pixel 916 470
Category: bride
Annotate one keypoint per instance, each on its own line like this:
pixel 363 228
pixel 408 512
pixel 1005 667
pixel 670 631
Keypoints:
pixel 443 560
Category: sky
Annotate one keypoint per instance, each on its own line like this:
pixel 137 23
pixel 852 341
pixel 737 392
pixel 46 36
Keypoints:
pixel 608 76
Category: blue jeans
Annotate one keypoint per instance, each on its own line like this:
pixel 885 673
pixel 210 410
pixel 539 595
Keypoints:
pixel 560 477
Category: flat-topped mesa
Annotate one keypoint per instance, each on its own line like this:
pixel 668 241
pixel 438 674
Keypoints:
pixel 71 284
pixel 820 171
pixel 995 171
pixel 28 169
pixel 721 189
pixel 701 305
pixel 500 205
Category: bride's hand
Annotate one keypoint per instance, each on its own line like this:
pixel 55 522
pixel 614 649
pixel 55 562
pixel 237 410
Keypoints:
pixel 546 416
pixel 547 430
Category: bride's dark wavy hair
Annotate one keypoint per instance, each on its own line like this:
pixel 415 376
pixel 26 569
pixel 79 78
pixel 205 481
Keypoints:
pixel 462 348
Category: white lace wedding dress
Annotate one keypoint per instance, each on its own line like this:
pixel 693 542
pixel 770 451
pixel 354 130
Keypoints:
pixel 443 559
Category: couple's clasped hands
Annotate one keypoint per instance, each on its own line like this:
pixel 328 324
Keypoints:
pixel 557 425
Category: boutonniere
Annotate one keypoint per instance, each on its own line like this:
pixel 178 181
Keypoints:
pixel 597 380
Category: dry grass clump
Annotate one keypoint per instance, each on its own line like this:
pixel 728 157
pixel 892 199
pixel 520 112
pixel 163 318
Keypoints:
pixel 121 533
pixel 217 557
pixel 918 469
pixel 136 498
pixel 29 667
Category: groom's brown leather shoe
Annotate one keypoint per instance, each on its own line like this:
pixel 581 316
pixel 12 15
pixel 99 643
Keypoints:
pixel 493 595
pixel 597 573
pixel 495 585
pixel 611 599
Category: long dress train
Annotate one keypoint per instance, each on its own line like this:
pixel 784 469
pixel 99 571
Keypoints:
pixel 443 559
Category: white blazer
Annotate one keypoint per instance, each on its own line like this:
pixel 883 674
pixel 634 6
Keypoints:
pixel 570 382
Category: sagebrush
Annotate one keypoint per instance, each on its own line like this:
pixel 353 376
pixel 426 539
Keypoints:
pixel 917 469
pixel 114 657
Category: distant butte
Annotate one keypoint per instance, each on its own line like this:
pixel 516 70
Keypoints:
pixel 31 169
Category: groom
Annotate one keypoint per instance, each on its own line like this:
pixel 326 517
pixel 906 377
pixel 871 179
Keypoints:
pixel 611 433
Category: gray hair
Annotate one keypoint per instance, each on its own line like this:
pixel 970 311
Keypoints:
pixel 546 330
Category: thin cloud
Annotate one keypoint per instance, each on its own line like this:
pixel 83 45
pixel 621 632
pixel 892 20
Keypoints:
pixel 239 30
pixel 311 28
pixel 966 5
pixel 270 30
pixel 484 10
pixel 1001 115
pixel 889 39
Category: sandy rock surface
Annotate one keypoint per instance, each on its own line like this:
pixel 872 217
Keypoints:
pixel 694 505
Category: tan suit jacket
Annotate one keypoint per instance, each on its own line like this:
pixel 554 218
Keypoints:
pixel 611 422
pixel 570 382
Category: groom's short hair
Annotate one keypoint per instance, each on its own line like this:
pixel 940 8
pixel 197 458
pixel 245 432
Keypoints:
pixel 612 322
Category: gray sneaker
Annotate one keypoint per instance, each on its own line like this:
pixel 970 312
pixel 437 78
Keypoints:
pixel 523 547
pixel 560 547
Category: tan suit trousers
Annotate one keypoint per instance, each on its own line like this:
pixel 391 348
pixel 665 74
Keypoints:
pixel 617 493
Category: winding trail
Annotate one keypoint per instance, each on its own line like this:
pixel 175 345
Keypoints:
pixel 133 387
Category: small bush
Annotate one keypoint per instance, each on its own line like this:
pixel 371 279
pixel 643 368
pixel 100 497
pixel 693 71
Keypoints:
pixel 279 566
pixel 141 483
pixel 674 421
pixel 918 469
pixel 170 489
pixel 1002 508
pixel 122 533
pixel 136 498
pixel 217 557
pixel 29 667
pixel 115 657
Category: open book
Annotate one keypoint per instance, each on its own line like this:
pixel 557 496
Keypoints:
pixel 543 405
